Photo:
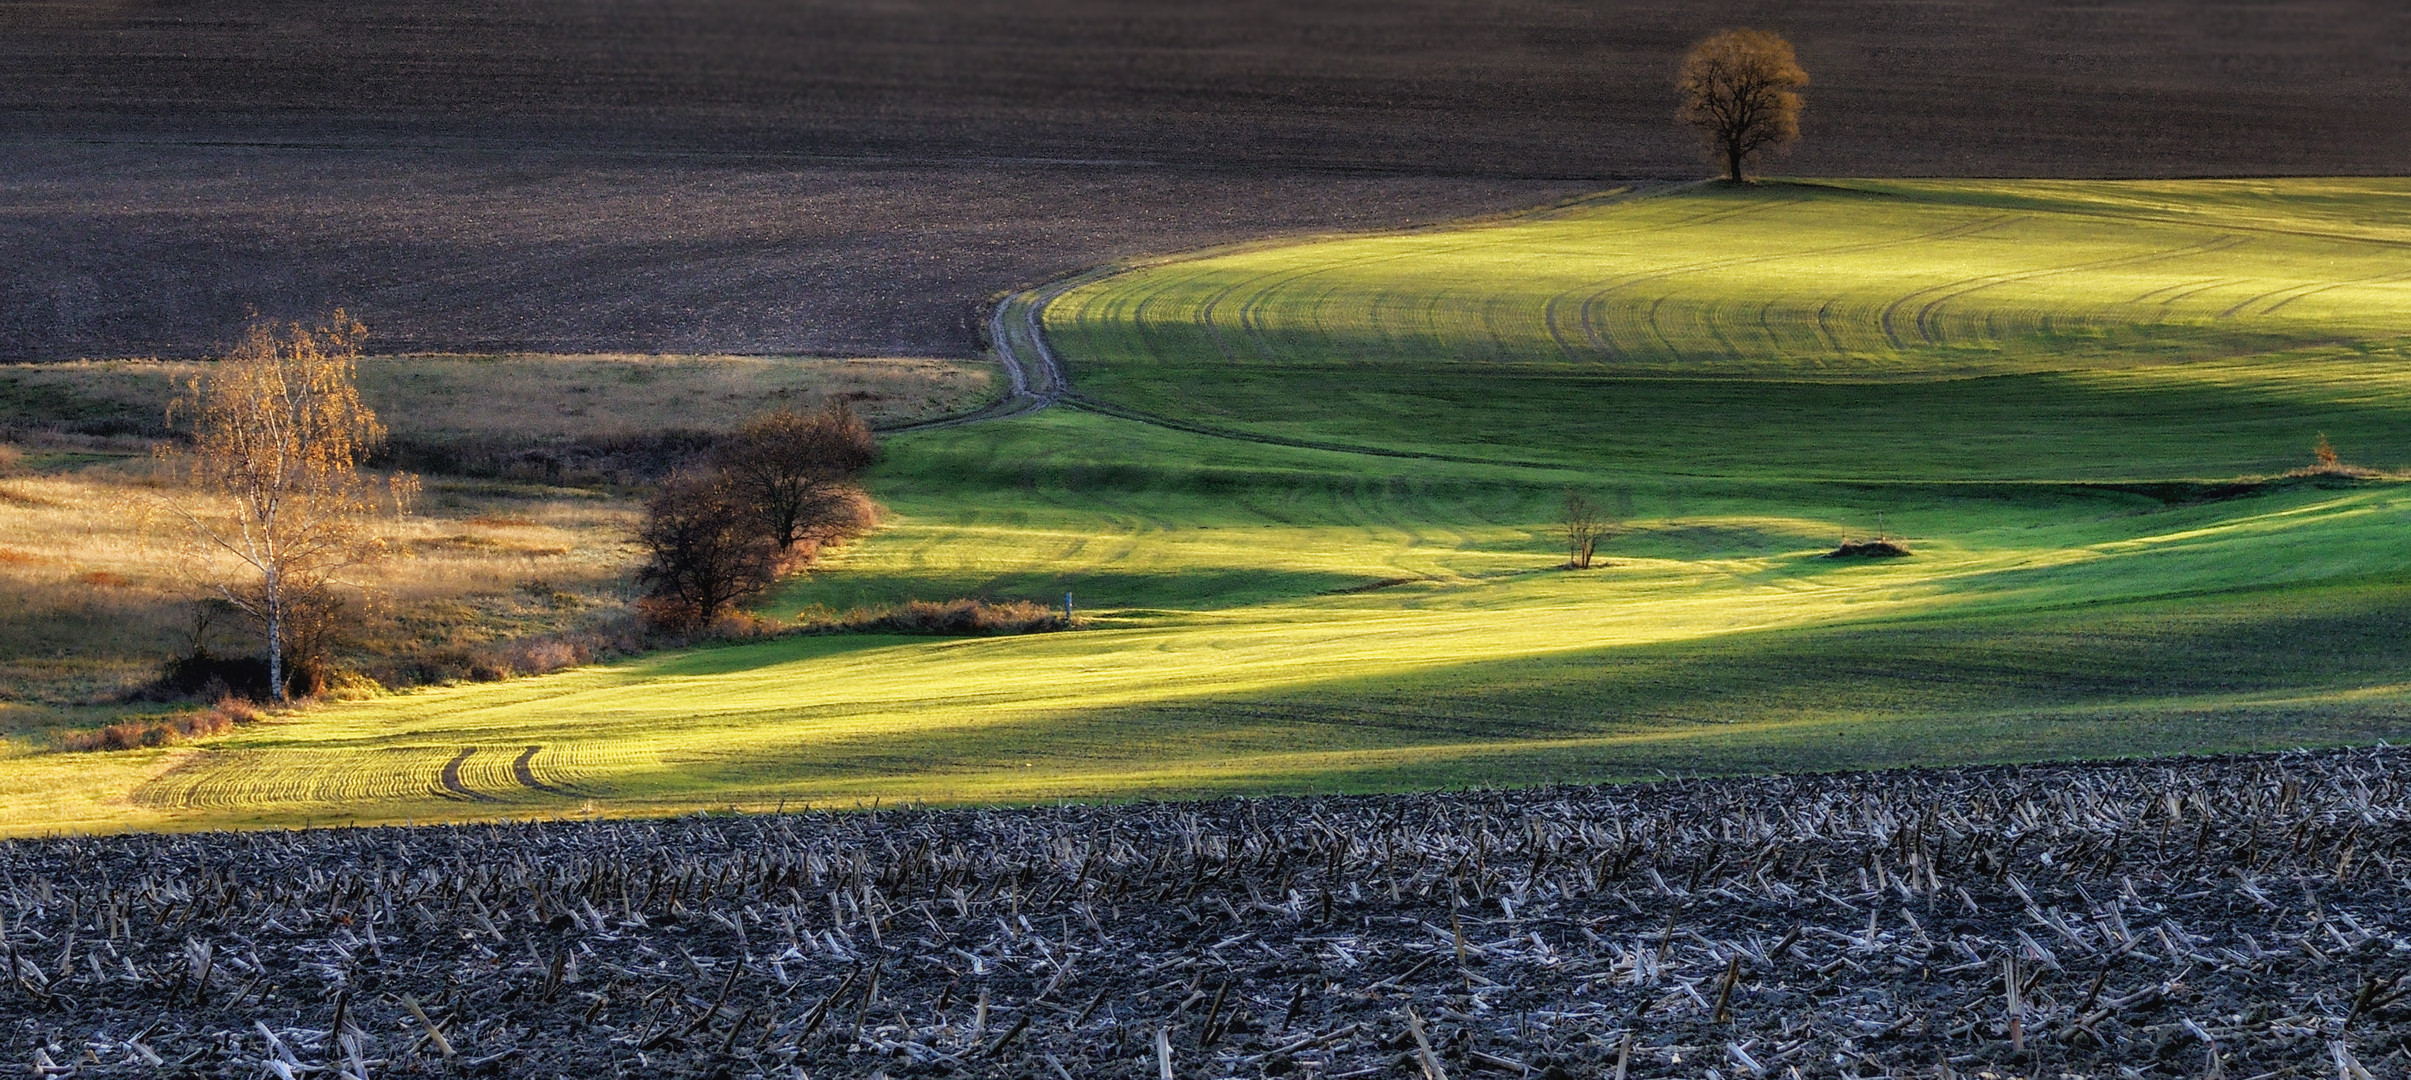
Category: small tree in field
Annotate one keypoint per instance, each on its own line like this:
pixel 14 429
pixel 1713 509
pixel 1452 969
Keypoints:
pixel 278 434
pixel 1742 89
pixel 705 551
pixel 776 488
pixel 795 472
pixel 1585 523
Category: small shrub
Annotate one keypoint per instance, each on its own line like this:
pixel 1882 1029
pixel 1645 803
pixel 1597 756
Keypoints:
pixel 1868 549
pixel 231 710
pixel 135 733
pixel 543 655
pixel 954 618
pixel 2326 463
pixel 743 626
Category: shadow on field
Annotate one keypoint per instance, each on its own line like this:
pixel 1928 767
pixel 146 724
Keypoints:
pixel 1187 588
pixel 2261 670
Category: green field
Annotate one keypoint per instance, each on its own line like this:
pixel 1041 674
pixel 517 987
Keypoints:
pixel 1306 491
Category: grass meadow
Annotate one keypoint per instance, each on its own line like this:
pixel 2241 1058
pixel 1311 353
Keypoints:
pixel 1305 500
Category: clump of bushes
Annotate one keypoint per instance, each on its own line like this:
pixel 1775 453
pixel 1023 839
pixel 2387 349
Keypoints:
pixel 629 460
pixel 203 674
pixel 772 494
pixel 541 656
pixel 138 732
pixel 961 618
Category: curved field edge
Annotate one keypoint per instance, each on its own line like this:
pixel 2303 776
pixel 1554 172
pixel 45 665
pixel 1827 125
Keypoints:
pixel 1275 613
pixel 2175 641
pixel 1902 308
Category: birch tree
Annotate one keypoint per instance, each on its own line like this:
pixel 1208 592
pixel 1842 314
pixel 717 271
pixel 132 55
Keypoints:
pixel 278 437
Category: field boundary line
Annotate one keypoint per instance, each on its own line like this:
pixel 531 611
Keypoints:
pixel 1083 402
pixel 1039 379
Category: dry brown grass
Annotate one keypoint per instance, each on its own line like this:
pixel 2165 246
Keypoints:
pixel 136 732
pixel 498 576
pixel 96 597
pixel 967 617
pixel 539 398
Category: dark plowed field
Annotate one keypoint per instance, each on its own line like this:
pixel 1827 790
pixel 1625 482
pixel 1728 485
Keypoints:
pixel 165 250
pixel 834 176
pixel 2238 917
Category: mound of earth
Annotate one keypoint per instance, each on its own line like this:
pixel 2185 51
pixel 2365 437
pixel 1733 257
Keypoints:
pixel 1868 549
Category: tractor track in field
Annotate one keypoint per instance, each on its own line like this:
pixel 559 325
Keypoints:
pixel 1036 379
pixel 450 778
pixel 522 770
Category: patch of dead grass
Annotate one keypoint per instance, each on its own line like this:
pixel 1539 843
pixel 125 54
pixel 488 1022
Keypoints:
pixel 540 397
pixel 95 593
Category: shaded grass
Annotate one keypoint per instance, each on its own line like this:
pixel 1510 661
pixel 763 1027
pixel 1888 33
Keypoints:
pixel 2157 676
pixel 1848 329
pixel 2108 559
pixel 1718 641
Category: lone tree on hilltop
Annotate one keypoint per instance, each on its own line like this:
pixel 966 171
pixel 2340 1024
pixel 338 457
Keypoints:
pixel 1742 88
pixel 278 434
pixel 796 471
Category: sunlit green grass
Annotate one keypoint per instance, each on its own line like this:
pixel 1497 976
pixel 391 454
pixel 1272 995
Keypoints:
pixel 2060 449
pixel 1914 331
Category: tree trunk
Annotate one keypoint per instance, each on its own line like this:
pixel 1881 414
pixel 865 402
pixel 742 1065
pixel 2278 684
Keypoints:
pixel 1733 161
pixel 276 639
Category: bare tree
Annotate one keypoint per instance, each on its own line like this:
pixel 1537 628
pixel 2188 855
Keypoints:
pixel 795 472
pixel 1586 523
pixel 1742 88
pixel 705 551
pixel 278 435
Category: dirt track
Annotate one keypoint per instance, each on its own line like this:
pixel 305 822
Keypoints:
pixel 736 175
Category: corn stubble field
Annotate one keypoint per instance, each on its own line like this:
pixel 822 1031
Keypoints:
pixel 2236 917
pixel 1304 494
